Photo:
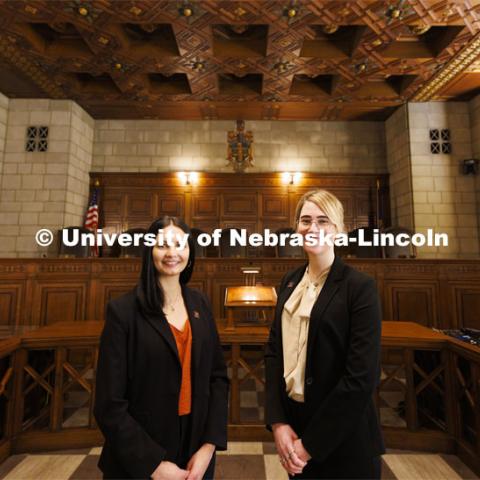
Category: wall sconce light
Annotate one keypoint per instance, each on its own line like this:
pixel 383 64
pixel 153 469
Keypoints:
pixel 291 178
pixel 469 166
pixel 188 178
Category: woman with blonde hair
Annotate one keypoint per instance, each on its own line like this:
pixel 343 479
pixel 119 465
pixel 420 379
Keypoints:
pixel 323 357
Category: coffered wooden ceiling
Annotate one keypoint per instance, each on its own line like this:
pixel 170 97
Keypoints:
pixel 257 59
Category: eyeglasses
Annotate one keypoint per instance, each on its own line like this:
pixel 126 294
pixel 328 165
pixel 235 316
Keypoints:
pixel 307 222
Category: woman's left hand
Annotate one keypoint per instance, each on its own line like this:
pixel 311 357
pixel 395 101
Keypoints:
pixel 199 462
pixel 302 454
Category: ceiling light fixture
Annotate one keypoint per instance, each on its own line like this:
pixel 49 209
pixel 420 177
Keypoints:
pixel 393 12
pixel 291 11
pixel 198 66
pixel 186 10
pixel 329 29
pixel 361 67
pixel 281 67
pixel 83 11
pixel 419 28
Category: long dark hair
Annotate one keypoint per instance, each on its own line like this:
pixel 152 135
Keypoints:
pixel 149 293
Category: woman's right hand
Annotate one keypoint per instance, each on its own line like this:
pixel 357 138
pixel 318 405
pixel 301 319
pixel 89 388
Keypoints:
pixel 169 471
pixel 284 436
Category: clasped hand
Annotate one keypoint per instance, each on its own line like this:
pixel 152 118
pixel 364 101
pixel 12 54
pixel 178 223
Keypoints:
pixel 293 455
pixel 196 467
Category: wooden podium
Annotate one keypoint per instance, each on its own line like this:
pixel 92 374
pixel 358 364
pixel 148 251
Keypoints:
pixel 246 298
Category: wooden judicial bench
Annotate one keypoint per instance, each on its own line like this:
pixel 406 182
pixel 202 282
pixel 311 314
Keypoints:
pixel 40 368
pixel 38 292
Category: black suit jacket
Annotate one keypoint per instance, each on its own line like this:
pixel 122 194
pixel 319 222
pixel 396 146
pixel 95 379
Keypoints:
pixel 138 385
pixel 342 366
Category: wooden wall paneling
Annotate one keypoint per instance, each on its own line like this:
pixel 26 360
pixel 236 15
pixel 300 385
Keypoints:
pixel 111 279
pixel 171 202
pixel 206 205
pixel 187 209
pixel 61 301
pixel 274 211
pixel 380 283
pixel 106 290
pixel 350 219
pixel 465 296
pixel 294 196
pixel 199 284
pixel 112 206
pixel 445 308
pixel 202 277
pixel 362 207
pixel 239 205
pixel 109 228
pixel 60 292
pixel 140 207
pixel 221 198
pixel 251 226
pixel 11 301
pixel 413 301
pixel 440 293
pixel 205 211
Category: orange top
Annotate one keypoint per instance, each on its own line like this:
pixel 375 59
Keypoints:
pixel 183 339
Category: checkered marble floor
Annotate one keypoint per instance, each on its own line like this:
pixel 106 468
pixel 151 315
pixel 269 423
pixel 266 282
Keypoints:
pixel 243 460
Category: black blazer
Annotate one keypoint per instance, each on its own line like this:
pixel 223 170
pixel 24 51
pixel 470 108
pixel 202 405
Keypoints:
pixel 138 386
pixel 342 367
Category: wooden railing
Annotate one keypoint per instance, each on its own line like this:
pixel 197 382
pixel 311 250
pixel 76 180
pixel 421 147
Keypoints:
pixel 428 398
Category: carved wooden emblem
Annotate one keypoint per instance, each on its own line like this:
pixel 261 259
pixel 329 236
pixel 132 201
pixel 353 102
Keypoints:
pixel 240 152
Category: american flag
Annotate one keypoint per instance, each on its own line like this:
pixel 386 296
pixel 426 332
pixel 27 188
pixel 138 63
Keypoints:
pixel 91 219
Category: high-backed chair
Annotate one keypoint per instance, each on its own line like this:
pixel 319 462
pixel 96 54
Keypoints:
pixel 78 250
pixel 133 250
pixel 227 250
pixel 288 250
pixel 200 251
pixel 397 251
pixel 363 251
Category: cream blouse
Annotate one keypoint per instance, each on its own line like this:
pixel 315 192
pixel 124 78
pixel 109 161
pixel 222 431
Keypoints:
pixel 295 321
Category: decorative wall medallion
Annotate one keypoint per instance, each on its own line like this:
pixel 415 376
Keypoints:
pixel 240 151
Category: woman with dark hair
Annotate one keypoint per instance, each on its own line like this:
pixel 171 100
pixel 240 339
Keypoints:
pixel 323 357
pixel 162 387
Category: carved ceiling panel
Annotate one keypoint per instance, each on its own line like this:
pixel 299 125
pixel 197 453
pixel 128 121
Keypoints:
pixel 256 59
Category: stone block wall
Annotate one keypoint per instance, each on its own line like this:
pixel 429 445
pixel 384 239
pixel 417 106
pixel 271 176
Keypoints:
pixel 443 198
pixel 3 127
pixel 43 189
pixel 475 135
pixel 159 145
pixel 399 167
pixel 50 189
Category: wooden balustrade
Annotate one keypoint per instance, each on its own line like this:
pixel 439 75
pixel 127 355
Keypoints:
pixel 428 397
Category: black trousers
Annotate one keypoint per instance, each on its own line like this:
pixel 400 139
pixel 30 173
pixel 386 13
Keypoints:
pixel 183 453
pixel 333 467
